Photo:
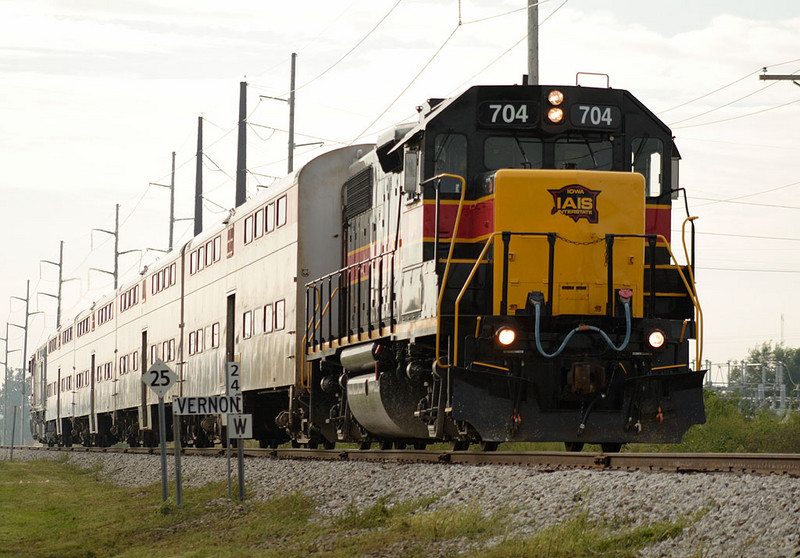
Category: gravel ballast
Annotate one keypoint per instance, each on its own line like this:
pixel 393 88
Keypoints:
pixel 743 515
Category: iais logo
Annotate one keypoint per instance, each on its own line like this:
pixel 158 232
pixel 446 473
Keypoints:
pixel 576 201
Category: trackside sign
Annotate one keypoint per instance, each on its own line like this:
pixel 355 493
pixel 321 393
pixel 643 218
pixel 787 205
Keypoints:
pixel 212 405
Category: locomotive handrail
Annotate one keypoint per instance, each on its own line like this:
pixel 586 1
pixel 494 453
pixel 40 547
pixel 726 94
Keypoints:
pixel 691 291
pixel 504 234
pixel 689 284
pixel 691 221
pixel 449 253
pixel 314 319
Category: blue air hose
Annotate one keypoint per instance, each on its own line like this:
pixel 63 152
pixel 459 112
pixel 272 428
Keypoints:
pixel 626 304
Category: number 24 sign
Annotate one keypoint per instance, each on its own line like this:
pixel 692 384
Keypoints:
pixel 159 377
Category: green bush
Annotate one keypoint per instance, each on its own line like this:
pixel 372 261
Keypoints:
pixel 735 426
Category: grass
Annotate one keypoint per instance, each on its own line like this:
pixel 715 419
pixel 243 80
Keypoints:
pixel 50 509
pixel 581 535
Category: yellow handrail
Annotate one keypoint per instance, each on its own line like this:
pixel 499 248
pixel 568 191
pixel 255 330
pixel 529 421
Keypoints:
pixel 461 294
pixel 305 380
pixel 699 355
pixel 692 294
pixel 447 265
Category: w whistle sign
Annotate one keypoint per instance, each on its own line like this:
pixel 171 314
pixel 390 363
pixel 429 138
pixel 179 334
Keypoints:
pixel 240 426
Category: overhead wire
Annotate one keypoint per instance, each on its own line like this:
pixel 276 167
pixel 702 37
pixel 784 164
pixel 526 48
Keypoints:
pixel 349 52
pixel 504 53
pixel 753 194
pixel 407 87
pixel 734 117
pixel 703 96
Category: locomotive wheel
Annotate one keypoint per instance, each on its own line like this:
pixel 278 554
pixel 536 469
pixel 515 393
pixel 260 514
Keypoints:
pixel 489 446
pixel 420 445
pixel 386 444
pixel 611 447
pixel 328 444
pixel 364 445
pixel 459 445
pixel 573 446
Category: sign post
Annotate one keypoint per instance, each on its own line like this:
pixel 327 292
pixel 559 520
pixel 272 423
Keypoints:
pixel 160 378
pixel 233 387
pixel 176 434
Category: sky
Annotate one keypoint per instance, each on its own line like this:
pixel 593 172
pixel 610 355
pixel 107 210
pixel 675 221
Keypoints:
pixel 96 95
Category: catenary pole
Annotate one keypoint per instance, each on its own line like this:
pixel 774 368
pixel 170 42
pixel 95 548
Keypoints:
pixel 291 113
pixel 533 42
pixel 241 152
pixel 24 354
pixel 198 180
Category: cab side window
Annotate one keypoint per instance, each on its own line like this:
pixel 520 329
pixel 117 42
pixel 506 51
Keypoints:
pixel 646 157
pixel 450 157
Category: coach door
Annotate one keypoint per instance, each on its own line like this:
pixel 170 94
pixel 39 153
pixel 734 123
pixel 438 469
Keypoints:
pixel 230 329
pixel 93 407
pixel 58 404
pixel 144 415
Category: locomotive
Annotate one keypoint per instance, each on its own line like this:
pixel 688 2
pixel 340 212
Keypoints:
pixel 499 270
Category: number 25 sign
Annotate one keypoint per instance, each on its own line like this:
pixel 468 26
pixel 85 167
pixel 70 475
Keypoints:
pixel 159 377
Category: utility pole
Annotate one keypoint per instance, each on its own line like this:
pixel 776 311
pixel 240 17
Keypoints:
pixel 5 388
pixel 241 153
pixel 172 218
pixel 115 234
pixel 60 266
pixel 779 77
pixel 290 100
pixel 198 180
pixel 533 42
pixel 171 187
pixel 291 113
pixel 117 253
pixel 28 313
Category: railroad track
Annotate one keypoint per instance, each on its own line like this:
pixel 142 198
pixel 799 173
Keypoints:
pixel 756 463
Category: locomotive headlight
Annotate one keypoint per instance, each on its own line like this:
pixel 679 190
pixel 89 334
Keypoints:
pixel 656 339
pixel 555 115
pixel 555 97
pixel 505 336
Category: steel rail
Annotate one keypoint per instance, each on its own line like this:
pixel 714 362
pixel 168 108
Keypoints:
pixel 755 463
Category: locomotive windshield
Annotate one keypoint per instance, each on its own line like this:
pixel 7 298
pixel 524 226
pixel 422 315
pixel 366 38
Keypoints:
pixel 504 152
pixel 583 153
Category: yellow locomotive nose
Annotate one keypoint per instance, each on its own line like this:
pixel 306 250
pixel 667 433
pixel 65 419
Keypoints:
pixel 580 208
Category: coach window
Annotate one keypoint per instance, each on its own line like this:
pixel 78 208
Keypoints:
pixel 248 229
pixel 280 217
pixel 217 248
pixel 209 252
pixel 280 316
pixel 247 325
pixel 215 335
pixel 583 153
pixel 268 319
pixel 199 341
pixel 192 336
pixel 450 157
pixel 258 225
pixel 646 156
pixel 270 219
pixel 511 152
